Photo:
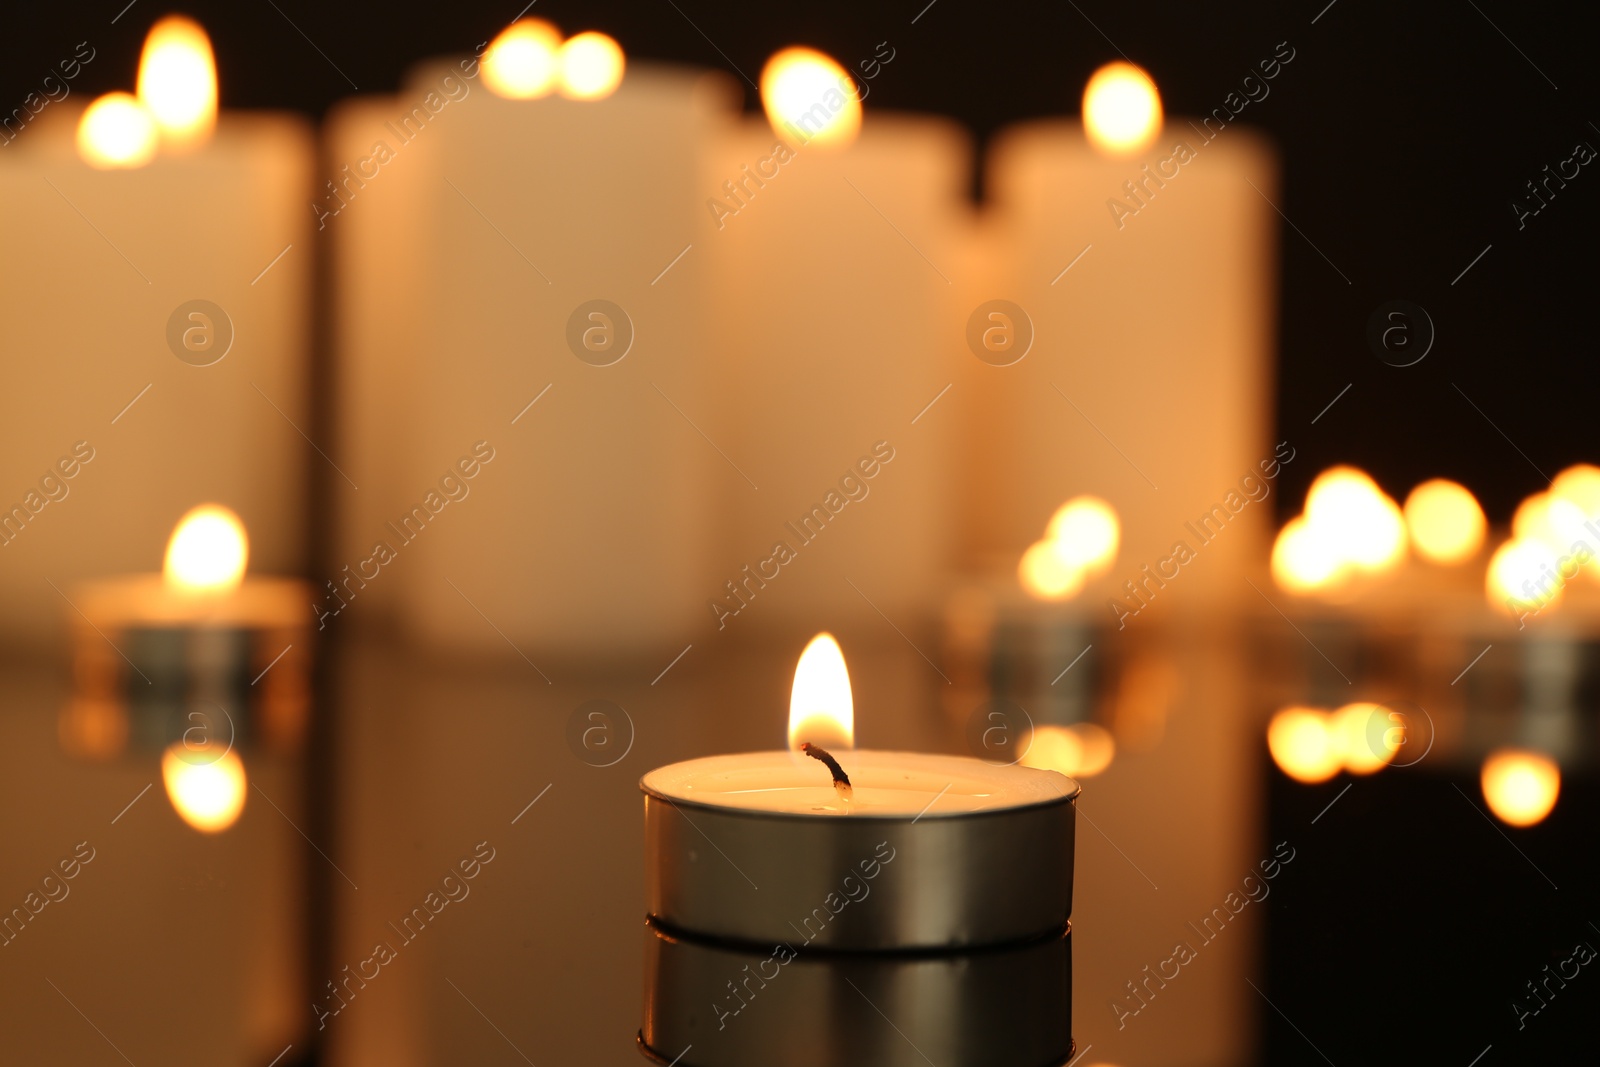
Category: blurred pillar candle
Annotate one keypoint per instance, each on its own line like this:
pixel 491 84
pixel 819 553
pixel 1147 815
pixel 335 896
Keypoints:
pixel 837 331
pixel 1145 283
pixel 157 317
pixel 522 338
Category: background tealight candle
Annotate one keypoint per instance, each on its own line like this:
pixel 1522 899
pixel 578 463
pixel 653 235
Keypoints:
pixel 163 299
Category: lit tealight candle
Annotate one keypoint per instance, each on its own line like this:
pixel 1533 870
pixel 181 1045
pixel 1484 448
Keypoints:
pixel 189 662
pixel 983 852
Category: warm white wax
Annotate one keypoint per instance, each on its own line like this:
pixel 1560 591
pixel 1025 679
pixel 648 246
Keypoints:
pixel 885 784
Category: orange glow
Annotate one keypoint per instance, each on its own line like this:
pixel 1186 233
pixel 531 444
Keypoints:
pixel 1046 575
pixel 1554 521
pixel 178 81
pixel 1357 518
pixel 117 131
pixel 589 67
pixel 1081 750
pixel 821 709
pixel 1366 737
pixel 1121 109
pixel 1444 521
pixel 208 794
pixel 1521 787
pixel 1086 533
pixel 1304 559
pixel 1579 484
pixel 1522 576
pixel 208 551
pixel 1302 745
pixel 521 63
pixel 809 96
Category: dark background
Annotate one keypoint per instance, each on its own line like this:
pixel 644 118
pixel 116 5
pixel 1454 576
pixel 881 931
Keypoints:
pixel 1406 132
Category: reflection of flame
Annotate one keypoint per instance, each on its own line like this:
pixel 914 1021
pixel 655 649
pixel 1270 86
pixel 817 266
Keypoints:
pixel 589 67
pixel 208 795
pixel 178 80
pixel 809 96
pixel 1521 787
pixel 116 131
pixel 521 63
pixel 1445 522
pixel 1302 745
pixel 1121 109
pixel 208 550
pixel 821 709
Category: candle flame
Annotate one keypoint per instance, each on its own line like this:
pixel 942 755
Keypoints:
pixel 1304 559
pixel 1521 787
pixel 1087 531
pixel 1366 736
pixel 589 67
pixel 178 81
pixel 208 793
pixel 521 63
pixel 1444 521
pixel 1523 576
pixel 1046 573
pixel 1303 746
pixel 117 131
pixel 1121 109
pixel 809 96
pixel 1081 750
pixel 821 709
pixel 208 550
pixel 1346 505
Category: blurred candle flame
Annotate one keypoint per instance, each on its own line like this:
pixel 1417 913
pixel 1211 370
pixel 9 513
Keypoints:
pixel 1080 542
pixel 1348 524
pixel 117 131
pixel 809 96
pixel 521 63
pixel 1520 786
pixel 208 793
pixel 1303 746
pixel 208 551
pixel 1304 559
pixel 1444 522
pixel 1366 737
pixel 178 81
pixel 821 709
pixel 1087 531
pixel 589 67
pixel 1081 750
pixel 1523 576
pixel 1121 109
